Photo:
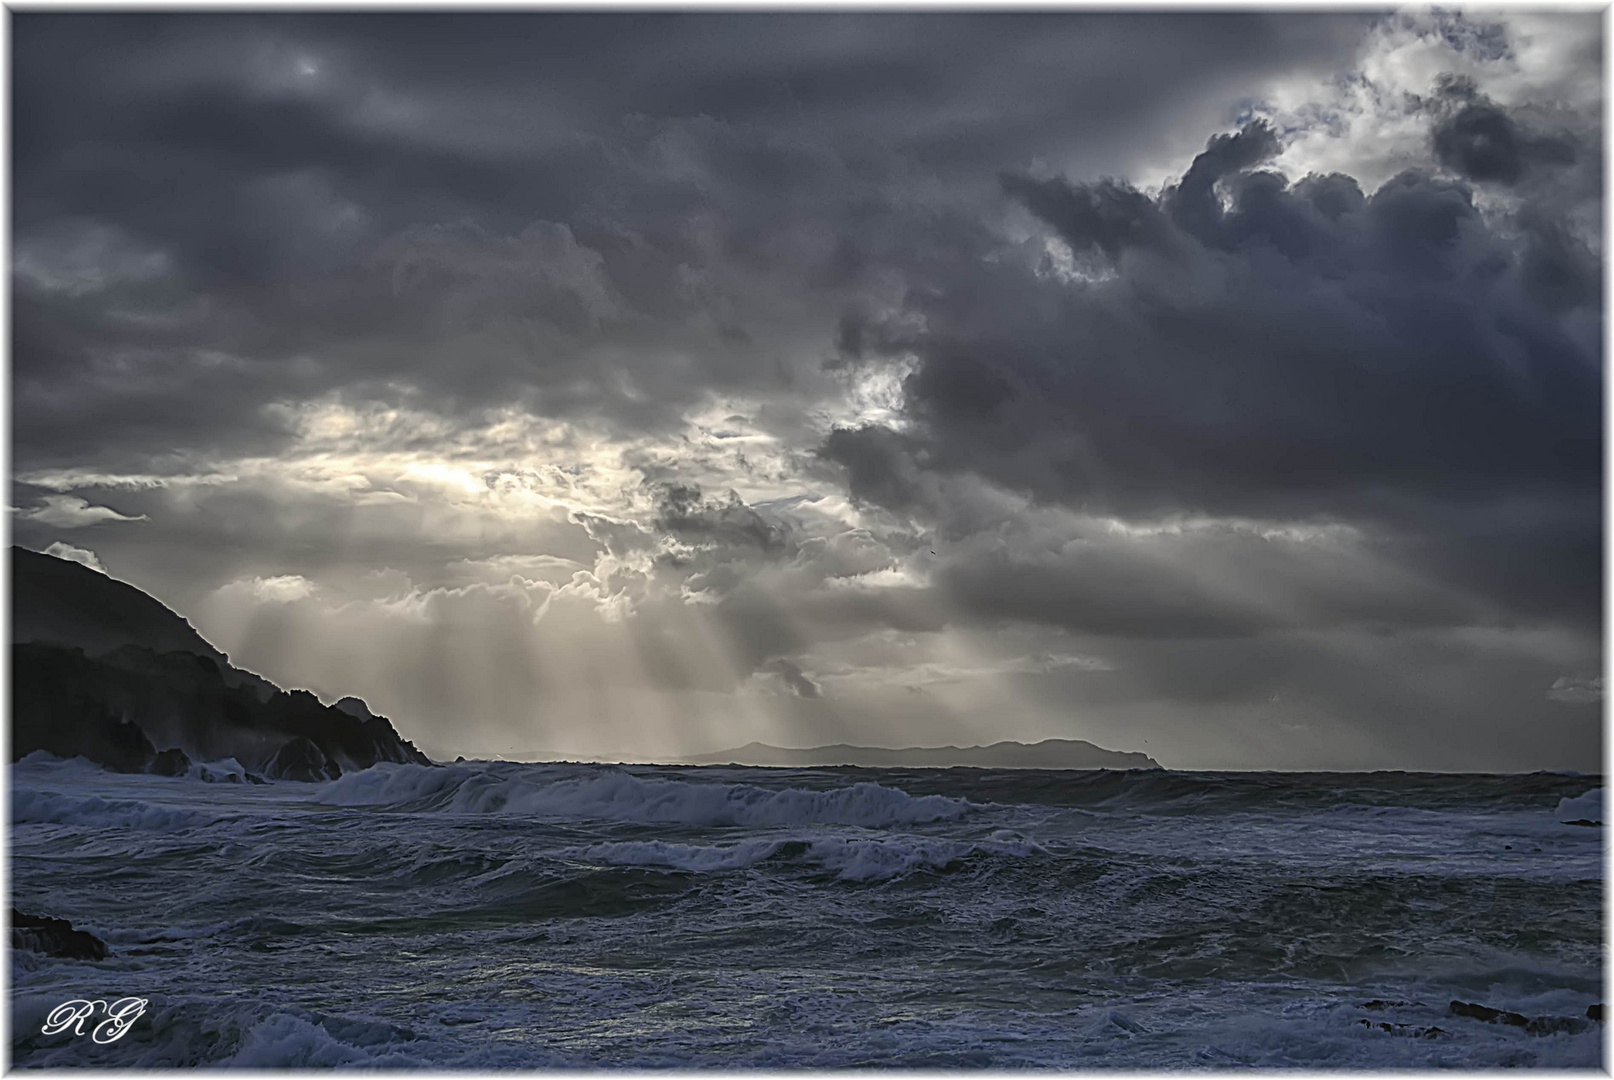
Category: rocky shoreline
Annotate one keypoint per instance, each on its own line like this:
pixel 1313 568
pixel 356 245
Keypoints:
pixel 55 937
pixel 96 674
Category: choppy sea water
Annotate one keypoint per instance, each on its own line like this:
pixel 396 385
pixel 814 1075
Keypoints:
pixel 504 915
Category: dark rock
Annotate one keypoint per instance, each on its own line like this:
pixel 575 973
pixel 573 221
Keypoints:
pixel 67 603
pixel 460 760
pixel 301 760
pixel 102 671
pixel 1488 1014
pixel 232 778
pixel 1539 1025
pixel 171 762
pixel 51 711
pixel 72 705
pixel 1552 1025
pixel 1584 821
pixel 1594 1012
pixel 354 707
pixel 54 937
pixel 1406 1030
pixel 64 603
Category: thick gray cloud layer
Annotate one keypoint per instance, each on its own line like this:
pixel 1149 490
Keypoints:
pixel 643 383
pixel 1307 351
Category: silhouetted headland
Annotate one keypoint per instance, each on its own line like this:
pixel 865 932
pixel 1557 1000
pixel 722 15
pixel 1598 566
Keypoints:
pixel 101 670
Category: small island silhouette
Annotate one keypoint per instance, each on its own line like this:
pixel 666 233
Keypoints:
pixel 1047 754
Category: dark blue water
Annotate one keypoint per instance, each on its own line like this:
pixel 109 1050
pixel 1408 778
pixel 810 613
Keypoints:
pixel 503 915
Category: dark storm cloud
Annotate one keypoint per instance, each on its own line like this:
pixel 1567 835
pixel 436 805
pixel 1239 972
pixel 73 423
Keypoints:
pixel 1559 269
pixel 1538 156
pixel 1108 214
pixel 1216 583
pixel 1481 141
pixel 1307 351
pixel 1414 699
pixel 681 512
pixel 297 172
pixel 294 256
pixel 793 677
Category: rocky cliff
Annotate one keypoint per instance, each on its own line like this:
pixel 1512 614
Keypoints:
pixel 103 671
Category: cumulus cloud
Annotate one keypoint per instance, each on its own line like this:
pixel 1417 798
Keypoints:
pixel 282 589
pixel 1307 351
pixel 1481 141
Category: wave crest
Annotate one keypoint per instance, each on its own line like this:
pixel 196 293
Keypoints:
pixel 50 808
pixel 621 796
pixel 1587 807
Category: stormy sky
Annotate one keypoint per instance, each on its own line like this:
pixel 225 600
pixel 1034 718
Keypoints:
pixel 1226 386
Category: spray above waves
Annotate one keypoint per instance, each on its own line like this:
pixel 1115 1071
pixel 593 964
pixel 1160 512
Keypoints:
pixel 621 796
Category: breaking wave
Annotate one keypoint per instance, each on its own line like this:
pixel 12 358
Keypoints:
pixel 1587 807
pixel 621 796
pixel 50 808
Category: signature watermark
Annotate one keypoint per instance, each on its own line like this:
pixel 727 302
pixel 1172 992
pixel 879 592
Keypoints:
pixel 71 1015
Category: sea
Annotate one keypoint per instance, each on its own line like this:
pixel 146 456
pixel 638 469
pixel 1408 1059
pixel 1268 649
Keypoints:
pixel 491 915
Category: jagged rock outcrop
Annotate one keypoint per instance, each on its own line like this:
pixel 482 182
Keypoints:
pixel 300 759
pixel 355 707
pixel 112 709
pixel 172 762
pixel 54 937
pixel 53 711
pixel 1535 1025
pixel 95 694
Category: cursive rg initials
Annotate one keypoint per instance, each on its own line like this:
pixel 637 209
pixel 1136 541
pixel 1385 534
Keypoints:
pixel 72 1014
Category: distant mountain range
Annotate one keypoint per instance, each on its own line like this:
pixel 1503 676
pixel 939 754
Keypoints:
pixel 1048 754
pixel 103 671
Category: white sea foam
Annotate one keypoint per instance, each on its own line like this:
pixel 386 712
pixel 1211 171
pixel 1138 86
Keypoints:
pixel 226 770
pixel 621 796
pixel 286 1041
pixel 390 785
pixel 1587 807
pixel 52 808
pixel 45 766
pixel 43 763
